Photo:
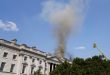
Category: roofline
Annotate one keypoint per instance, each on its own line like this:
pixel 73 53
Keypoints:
pixel 16 46
pixel 24 47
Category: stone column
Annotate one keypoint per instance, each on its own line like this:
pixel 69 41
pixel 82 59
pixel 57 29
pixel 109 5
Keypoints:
pixel 48 68
pixel 54 66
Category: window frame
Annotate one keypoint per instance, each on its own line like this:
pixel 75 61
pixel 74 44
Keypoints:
pixel 5 54
pixel 23 69
pixel 33 60
pixel 12 67
pixel 14 58
pixel 25 58
pixel 2 66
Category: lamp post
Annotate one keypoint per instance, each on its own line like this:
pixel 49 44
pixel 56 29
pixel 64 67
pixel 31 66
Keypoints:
pixel 95 46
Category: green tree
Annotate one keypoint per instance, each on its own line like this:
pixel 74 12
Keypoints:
pixel 90 66
pixel 38 72
pixel 62 69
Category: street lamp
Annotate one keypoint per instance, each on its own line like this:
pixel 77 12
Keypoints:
pixel 95 46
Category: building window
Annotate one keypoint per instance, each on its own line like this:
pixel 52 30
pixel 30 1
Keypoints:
pixel 2 66
pixel 38 59
pixel 14 56
pixel 45 69
pixel 32 68
pixel 40 62
pixel 5 54
pixel 25 58
pixel 12 67
pixel 33 60
pixel 24 67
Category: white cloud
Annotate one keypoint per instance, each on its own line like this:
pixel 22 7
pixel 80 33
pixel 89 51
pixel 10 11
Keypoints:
pixel 80 48
pixel 8 26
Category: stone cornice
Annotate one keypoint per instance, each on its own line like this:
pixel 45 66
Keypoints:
pixel 24 48
pixel 9 44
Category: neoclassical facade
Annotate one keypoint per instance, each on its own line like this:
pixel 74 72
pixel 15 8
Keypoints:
pixel 21 59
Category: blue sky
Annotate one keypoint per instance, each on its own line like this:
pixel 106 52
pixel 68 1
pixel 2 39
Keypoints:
pixel 24 24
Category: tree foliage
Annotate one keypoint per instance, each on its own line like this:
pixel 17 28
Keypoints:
pixel 90 66
pixel 38 72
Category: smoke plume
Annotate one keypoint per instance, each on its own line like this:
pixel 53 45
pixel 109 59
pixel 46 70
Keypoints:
pixel 65 17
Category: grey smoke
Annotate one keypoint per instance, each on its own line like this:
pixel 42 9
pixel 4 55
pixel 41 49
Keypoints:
pixel 64 17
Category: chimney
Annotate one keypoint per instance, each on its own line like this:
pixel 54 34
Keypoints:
pixel 33 47
pixel 14 41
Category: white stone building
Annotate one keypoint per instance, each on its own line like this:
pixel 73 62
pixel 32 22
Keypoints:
pixel 18 59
